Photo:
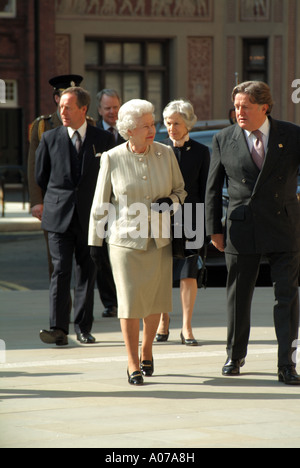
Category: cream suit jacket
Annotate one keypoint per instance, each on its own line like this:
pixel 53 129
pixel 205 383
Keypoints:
pixel 127 185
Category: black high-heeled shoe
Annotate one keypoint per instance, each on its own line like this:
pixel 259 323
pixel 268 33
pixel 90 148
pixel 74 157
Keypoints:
pixel 147 368
pixel 192 342
pixel 163 338
pixel 135 378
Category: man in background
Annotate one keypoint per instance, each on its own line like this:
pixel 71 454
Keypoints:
pixel 109 104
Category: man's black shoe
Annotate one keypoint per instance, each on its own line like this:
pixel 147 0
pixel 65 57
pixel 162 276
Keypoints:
pixel 57 337
pixel 110 312
pixel 288 375
pixel 232 367
pixel 86 338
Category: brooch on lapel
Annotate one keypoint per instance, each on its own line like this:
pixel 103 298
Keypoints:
pixel 159 155
pixel 189 148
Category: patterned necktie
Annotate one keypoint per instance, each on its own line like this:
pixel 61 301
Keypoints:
pixel 112 131
pixel 78 143
pixel 258 151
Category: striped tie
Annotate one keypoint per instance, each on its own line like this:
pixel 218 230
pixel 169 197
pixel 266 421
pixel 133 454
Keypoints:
pixel 258 151
pixel 78 143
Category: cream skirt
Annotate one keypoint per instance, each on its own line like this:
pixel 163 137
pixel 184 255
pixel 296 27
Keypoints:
pixel 143 280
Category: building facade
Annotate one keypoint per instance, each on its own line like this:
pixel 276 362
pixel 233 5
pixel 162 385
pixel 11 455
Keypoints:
pixel 153 49
pixel 165 49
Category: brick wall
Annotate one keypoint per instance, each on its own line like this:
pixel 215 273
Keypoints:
pixel 18 46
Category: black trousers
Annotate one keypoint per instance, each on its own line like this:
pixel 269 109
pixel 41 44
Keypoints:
pixel 243 271
pixel 63 247
pixel 105 281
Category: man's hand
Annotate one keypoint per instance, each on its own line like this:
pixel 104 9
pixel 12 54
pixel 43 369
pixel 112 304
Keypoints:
pixel 218 241
pixel 37 211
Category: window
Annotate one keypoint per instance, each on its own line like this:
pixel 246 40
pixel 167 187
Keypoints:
pixel 8 9
pixel 8 93
pixel 2 92
pixel 136 70
pixel 256 60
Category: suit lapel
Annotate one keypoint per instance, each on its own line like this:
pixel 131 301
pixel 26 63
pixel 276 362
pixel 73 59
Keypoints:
pixel 241 151
pixel 89 151
pixel 64 148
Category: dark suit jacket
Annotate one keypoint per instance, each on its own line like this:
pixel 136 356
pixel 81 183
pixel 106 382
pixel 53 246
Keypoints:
pixel 193 159
pixel 119 141
pixel 263 214
pixel 54 175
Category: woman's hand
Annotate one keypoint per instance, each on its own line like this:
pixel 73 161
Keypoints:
pixel 162 205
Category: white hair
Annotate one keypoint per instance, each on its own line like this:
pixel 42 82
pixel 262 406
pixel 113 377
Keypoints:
pixel 129 114
pixel 184 109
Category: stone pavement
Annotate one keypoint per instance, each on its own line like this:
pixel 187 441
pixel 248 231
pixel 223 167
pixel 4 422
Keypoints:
pixel 17 219
pixel 78 396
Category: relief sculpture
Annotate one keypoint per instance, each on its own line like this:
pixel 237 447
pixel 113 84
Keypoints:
pixel 252 10
pixel 202 9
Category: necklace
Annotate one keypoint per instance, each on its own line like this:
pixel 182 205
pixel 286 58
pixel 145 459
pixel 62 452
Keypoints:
pixel 135 152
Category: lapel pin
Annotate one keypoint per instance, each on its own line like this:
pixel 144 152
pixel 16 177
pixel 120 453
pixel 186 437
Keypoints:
pixel 189 148
pixel 158 155
pixel 280 146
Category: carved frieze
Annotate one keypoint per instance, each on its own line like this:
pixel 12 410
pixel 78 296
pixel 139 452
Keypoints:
pixel 201 10
pixel 255 10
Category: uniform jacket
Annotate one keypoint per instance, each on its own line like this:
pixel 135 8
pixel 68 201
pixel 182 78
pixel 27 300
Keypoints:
pixel 39 126
pixel 54 176
pixel 263 213
pixel 125 179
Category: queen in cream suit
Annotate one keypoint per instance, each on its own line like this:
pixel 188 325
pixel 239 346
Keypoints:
pixel 135 178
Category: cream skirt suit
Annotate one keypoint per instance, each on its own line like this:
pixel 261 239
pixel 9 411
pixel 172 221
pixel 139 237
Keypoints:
pixel 141 259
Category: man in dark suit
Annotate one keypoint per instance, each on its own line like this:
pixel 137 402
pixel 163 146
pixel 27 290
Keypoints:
pixel 263 219
pixel 41 125
pixel 109 104
pixel 67 168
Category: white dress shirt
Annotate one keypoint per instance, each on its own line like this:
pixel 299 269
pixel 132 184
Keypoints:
pixel 265 130
pixel 81 131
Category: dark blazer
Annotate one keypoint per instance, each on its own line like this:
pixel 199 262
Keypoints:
pixel 194 160
pixel 54 175
pixel 120 139
pixel 263 214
